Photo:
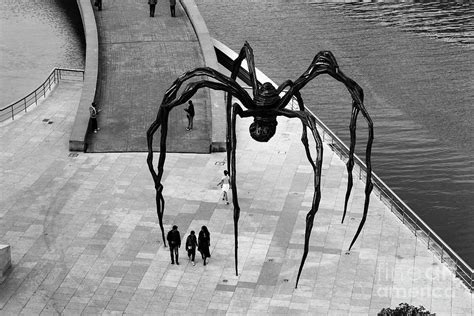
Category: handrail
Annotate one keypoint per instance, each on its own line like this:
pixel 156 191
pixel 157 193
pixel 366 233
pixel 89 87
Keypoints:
pixel 408 217
pixel 21 105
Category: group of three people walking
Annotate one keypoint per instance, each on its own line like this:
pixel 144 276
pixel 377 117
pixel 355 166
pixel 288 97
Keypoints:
pixel 201 243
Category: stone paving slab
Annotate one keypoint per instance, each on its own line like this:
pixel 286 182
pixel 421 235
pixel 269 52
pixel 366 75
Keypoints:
pixel 84 236
pixel 139 58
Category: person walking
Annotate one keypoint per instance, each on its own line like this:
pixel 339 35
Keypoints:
pixel 93 117
pixel 173 7
pixel 204 242
pixel 152 4
pixel 190 114
pixel 191 244
pixel 98 4
pixel 225 186
pixel 174 242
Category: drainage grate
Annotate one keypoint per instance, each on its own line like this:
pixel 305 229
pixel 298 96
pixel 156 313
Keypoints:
pixel 73 154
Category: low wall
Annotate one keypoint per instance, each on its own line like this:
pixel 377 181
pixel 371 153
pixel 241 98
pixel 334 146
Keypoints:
pixel 216 98
pixel 77 140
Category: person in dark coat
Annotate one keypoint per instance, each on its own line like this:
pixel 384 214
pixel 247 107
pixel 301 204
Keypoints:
pixel 174 241
pixel 204 242
pixel 172 8
pixel 190 114
pixel 152 4
pixel 98 4
pixel 191 244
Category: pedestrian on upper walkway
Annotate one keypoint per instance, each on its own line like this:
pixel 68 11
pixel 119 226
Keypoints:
pixel 173 7
pixel 152 4
pixel 174 241
pixel 190 115
pixel 98 4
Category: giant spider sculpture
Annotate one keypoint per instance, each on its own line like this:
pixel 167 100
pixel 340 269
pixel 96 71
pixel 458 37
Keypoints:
pixel 265 106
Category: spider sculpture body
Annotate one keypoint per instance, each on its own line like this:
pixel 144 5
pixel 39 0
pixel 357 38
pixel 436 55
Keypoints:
pixel 265 106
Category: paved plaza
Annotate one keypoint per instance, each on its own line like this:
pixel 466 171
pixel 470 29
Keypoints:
pixel 139 58
pixel 85 240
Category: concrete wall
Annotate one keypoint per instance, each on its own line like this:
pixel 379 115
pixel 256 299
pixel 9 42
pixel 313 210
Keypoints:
pixel 77 140
pixel 216 98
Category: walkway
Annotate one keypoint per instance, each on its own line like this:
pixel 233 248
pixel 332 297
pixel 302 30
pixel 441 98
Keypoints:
pixel 139 58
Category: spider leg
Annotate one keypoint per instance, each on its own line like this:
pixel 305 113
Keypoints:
pixel 246 52
pixel 231 147
pixel 161 120
pixel 169 99
pixel 350 160
pixel 325 63
pixel 169 102
pixel 309 121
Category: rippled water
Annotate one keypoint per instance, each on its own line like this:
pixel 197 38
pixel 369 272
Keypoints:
pixel 426 155
pixel 450 21
pixel 35 37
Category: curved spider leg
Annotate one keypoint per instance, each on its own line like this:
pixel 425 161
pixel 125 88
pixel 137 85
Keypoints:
pixel 325 63
pixel 246 52
pixel 162 120
pixel 309 121
pixel 358 105
pixel 350 160
pixel 232 87
pixel 236 109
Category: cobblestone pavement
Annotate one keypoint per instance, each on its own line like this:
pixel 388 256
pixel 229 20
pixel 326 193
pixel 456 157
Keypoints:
pixel 139 58
pixel 85 239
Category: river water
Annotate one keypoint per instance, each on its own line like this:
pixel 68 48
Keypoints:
pixel 424 143
pixel 35 37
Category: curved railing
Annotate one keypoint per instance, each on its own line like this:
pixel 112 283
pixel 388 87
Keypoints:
pixel 408 217
pixel 57 74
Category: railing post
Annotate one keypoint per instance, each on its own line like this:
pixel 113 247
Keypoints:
pixel 403 217
pixel 13 115
pixel 442 253
pixel 429 236
pixel 470 288
pixel 36 99
pixel 25 103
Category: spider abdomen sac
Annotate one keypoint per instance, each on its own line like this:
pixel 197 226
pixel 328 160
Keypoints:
pixel 262 129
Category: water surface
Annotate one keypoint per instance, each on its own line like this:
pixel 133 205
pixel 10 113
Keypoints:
pixel 35 37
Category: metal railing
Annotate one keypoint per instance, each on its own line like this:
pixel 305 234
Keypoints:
pixel 20 106
pixel 408 217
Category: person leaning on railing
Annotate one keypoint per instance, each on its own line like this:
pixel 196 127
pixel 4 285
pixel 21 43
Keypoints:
pixel 93 117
